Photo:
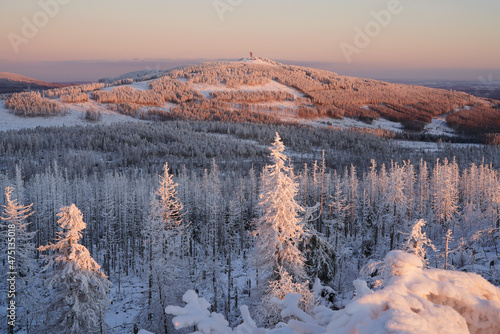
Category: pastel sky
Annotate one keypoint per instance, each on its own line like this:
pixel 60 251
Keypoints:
pixel 90 39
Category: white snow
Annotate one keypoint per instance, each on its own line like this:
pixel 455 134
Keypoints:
pixel 137 75
pixel 438 126
pixel 347 122
pixel 126 304
pixel 256 61
pixel 138 85
pixel 143 331
pixel 282 104
pixel 273 86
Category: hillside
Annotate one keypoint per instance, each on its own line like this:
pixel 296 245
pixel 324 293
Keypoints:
pixel 14 83
pixel 263 91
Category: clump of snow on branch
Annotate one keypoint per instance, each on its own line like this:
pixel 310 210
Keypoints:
pixel 278 290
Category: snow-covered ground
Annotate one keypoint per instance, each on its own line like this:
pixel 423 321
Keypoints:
pixel 347 122
pixel 258 61
pixel 137 75
pixel 438 126
pixel 75 116
pixel 138 85
pixel 272 86
pixel 126 303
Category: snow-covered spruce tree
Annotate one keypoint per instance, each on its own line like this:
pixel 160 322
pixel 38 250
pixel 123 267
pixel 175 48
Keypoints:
pixel 14 216
pixel 18 254
pixel 78 302
pixel 169 208
pixel 161 233
pixel 278 230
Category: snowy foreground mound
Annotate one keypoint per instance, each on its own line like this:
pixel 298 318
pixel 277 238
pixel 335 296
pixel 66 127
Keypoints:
pixel 412 300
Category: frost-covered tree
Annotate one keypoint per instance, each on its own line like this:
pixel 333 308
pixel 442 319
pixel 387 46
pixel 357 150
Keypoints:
pixel 279 228
pixel 14 218
pixel 18 252
pixel 339 210
pixel 418 242
pixel 169 208
pixel 161 231
pixel 78 301
pixel 445 192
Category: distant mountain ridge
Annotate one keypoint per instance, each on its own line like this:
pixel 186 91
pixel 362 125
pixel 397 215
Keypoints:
pixel 14 83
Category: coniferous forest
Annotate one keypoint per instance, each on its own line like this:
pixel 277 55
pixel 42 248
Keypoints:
pixel 242 214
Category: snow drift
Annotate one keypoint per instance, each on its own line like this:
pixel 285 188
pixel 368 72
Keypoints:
pixel 412 300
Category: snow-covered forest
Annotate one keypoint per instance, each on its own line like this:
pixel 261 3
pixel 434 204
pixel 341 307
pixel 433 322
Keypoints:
pixel 245 225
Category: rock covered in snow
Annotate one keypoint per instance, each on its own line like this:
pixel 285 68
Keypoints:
pixel 412 300
pixel 399 263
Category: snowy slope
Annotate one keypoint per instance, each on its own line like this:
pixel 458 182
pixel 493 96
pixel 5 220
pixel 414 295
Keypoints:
pixel 272 86
pixel 75 116
pixel 126 303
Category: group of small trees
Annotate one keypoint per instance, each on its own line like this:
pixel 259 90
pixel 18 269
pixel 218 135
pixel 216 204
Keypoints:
pixel 75 97
pixel 477 119
pixel 162 90
pixel 211 110
pixel 32 104
pixel 73 90
pixel 247 80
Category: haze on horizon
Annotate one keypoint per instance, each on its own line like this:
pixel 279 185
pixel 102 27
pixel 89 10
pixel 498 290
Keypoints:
pixel 88 40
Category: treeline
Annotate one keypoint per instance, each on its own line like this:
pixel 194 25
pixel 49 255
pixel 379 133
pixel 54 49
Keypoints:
pixel 75 97
pixel 211 111
pixel 78 89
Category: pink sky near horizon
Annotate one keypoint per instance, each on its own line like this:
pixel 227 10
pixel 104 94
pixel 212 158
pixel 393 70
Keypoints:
pixel 426 34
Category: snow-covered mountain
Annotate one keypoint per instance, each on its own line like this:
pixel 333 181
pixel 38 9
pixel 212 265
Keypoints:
pixel 262 90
